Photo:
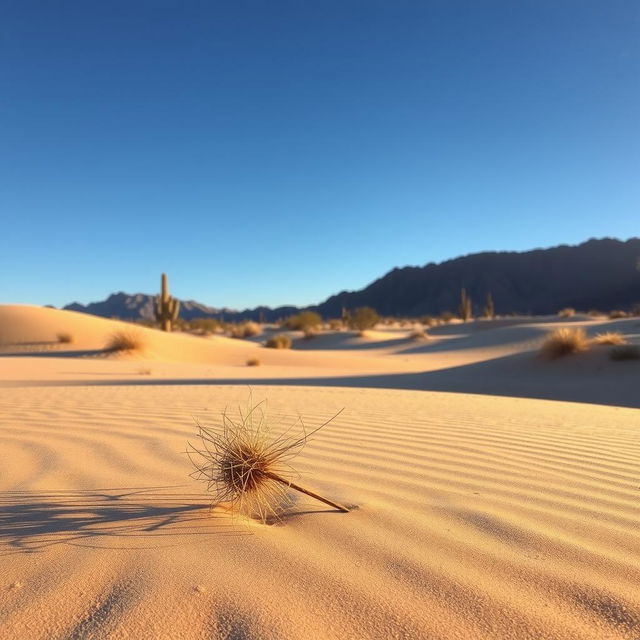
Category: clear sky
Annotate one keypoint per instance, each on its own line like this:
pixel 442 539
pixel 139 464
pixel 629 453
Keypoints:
pixel 270 152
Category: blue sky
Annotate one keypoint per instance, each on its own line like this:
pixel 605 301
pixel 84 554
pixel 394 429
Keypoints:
pixel 279 152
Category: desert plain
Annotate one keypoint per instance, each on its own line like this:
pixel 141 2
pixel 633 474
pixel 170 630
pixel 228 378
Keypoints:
pixel 494 494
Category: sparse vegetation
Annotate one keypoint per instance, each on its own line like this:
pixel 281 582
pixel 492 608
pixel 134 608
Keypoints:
pixel 64 337
pixel 279 341
pixel 418 335
pixel 609 338
pixel 567 312
pixel 144 371
pixel 244 330
pixel 616 314
pixel 125 341
pixel 253 362
pixel 336 324
pixel 364 318
pixel 563 342
pixel 625 352
pixel 203 326
pixel 446 317
pixel 428 321
pixel 304 321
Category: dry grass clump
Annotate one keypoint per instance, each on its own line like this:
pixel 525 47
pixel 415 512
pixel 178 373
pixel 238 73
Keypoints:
pixel 336 324
pixel 245 467
pixel 279 341
pixel 625 352
pixel 364 318
pixel 245 330
pixel 429 321
pixel 418 335
pixel 616 314
pixel 253 362
pixel 563 342
pixel 567 312
pixel 64 337
pixel 609 338
pixel 125 341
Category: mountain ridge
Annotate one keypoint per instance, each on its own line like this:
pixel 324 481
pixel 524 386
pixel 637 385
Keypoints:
pixel 596 274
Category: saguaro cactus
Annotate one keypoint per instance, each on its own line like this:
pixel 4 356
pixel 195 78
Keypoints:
pixel 165 307
pixel 466 308
pixel 489 309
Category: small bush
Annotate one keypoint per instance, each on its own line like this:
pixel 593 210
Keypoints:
pixel 617 314
pixel 205 326
pixel 567 312
pixel 336 324
pixel 429 321
pixel 364 318
pixel 594 313
pixel 625 352
pixel 244 330
pixel 279 341
pixel 125 341
pixel 303 321
pixel 610 338
pixel 418 335
pixel 563 342
pixel 253 362
pixel 446 317
pixel 64 337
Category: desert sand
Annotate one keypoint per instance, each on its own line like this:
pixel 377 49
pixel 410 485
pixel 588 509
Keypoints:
pixel 493 494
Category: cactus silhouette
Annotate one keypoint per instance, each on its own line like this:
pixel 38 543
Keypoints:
pixel 165 307
pixel 466 308
pixel 489 309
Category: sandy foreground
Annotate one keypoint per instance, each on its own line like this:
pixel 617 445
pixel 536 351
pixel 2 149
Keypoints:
pixel 494 495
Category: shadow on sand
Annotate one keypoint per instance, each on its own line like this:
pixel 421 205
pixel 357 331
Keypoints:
pixel 32 521
pixel 588 378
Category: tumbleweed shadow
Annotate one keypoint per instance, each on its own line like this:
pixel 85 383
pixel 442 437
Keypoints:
pixel 32 521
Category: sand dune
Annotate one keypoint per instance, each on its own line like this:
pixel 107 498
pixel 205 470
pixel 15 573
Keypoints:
pixel 482 516
pixel 478 518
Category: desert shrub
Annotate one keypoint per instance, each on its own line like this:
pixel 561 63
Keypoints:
pixel 253 362
pixel 635 309
pixel 563 342
pixel 205 326
pixel 567 312
pixel 364 318
pixel 144 372
pixel 279 341
pixel 609 338
pixel 244 330
pixel 336 324
pixel 303 321
pixel 64 337
pixel 446 317
pixel 625 352
pixel 428 321
pixel 594 313
pixel 124 340
pixel 617 313
pixel 418 335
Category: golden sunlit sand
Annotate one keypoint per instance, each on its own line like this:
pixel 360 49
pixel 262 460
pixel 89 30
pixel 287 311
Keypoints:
pixel 494 493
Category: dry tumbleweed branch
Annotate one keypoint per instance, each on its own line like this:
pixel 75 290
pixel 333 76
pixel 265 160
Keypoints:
pixel 243 466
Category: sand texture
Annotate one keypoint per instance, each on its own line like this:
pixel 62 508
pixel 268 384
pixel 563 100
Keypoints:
pixel 494 494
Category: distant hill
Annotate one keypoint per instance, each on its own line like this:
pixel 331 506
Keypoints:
pixel 597 274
